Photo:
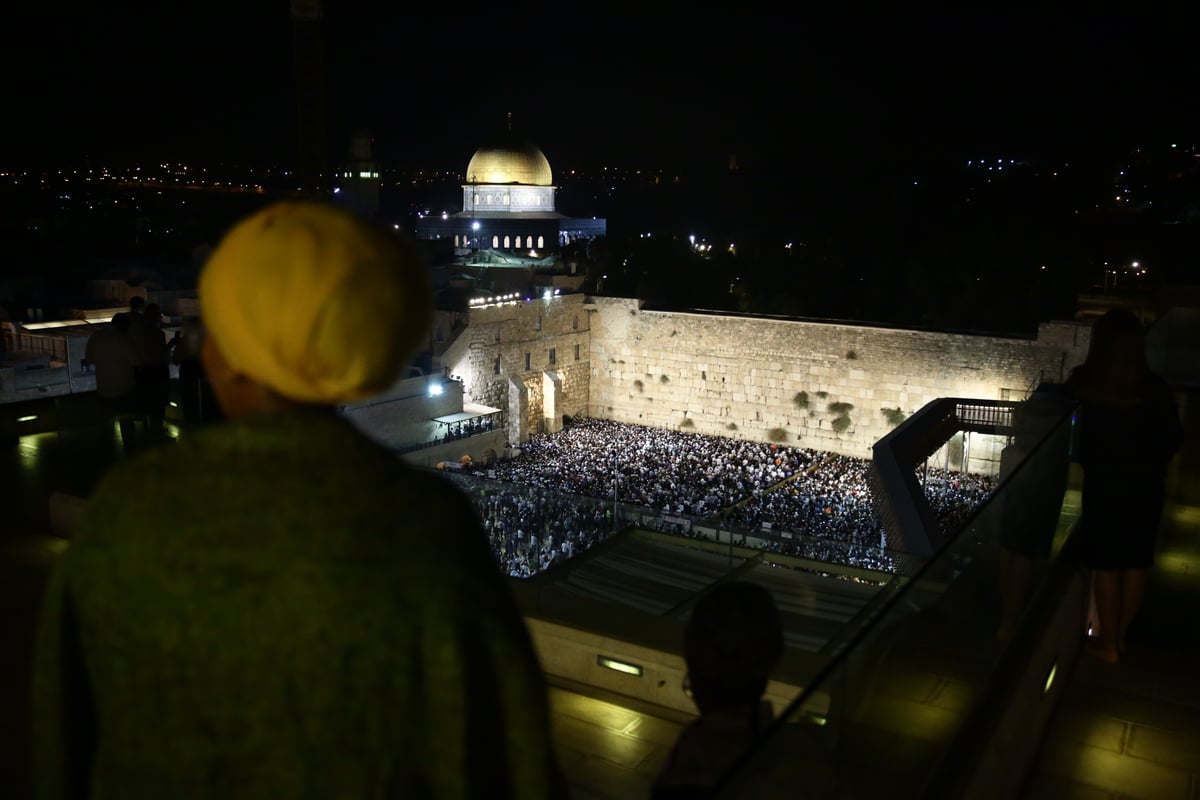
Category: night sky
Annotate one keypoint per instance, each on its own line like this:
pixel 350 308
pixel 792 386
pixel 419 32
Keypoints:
pixel 190 82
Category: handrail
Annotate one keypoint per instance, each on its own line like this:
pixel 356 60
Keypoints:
pixel 903 509
pixel 942 587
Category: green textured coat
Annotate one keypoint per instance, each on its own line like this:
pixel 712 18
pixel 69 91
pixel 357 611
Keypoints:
pixel 278 608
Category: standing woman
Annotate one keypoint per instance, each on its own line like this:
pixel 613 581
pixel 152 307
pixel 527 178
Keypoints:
pixel 1129 430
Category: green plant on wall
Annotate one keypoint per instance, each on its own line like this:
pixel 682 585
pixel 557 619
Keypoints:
pixel 822 395
pixel 801 400
pixel 663 379
pixel 637 384
pixel 840 409
pixel 687 423
pixel 777 435
pixel 851 355
pixel 840 424
pixel 731 426
pixel 894 416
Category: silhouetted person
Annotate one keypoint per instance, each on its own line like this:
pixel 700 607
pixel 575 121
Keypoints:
pixel 1032 498
pixel 263 610
pixel 111 353
pixel 732 641
pixel 153 370
pixel 1129 429
pixel 197 402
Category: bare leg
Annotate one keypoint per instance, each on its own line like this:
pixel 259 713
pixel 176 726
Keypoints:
pixel 1107 586
pixel 1133 589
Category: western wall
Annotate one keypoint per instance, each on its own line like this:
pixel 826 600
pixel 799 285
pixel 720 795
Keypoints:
pixel 824 385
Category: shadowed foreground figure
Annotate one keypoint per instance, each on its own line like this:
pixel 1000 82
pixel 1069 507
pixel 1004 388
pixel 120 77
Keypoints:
pixel 1129 430
pixel 732 641
pixel 276 607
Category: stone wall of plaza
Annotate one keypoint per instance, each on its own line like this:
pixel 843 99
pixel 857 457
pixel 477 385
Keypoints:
pixel 529 357
pixel 828 386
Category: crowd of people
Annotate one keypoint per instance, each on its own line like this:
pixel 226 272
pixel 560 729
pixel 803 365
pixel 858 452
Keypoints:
pixel 470 427
pixel 671 471
pixel 531 529
pixel 554 500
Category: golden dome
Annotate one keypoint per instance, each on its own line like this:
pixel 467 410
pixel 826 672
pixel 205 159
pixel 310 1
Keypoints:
pixel 511 160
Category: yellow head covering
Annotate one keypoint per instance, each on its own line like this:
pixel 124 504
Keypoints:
pixel 315 303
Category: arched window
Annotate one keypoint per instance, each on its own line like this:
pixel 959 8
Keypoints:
pixel 506 244
pixel 541 242
pixel 495 242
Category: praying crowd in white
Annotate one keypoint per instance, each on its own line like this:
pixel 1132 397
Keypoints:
pixel 556 498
